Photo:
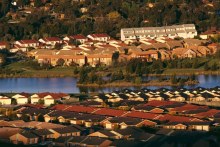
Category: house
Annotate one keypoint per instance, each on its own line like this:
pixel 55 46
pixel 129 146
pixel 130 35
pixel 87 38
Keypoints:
pixel 103 134
pixel 27 43
pixel 165 55
pixel 209 33
pixel 175 125
pixel 49 101
pixel 65 131
pixel 5 100
pixel 89 141
pixel 174 44
pixel 7 132
pixel 148 55
pixel 123 122
pixel 133 133
pixel 199 126
pixel 193 42
pixel 51 41
pixel 21 98
pixel 95 59
pixel 79 38
pixel 185 53
pixel 99 37
pixel 44 134
pixel 25 137
pixel 3 45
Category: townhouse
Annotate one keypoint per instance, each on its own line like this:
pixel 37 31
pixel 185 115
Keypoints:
pixel 27 43
pixel 50 42
pixel 183 31
pixel 3 45
pixel 78 38
pixel 99 37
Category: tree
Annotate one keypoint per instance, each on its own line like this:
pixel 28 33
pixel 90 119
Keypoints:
pixel 60 62
pixel 83 75
pixel 41 118
pixel 138 80
pixel 115 57
pixel 173 79
pixel 38 3
pixel 40 101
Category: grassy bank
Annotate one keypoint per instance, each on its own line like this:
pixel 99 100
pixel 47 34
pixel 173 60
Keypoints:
pixel 128 84
pixel 26 69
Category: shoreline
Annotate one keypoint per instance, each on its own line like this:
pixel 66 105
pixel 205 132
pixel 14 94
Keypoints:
pixel 129 84
pixel 35 75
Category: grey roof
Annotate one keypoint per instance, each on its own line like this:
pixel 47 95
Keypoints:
pixel 28 134
pixel 42 132
pixel 66 130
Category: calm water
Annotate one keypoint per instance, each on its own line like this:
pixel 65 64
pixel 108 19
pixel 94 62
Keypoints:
pixel 68 85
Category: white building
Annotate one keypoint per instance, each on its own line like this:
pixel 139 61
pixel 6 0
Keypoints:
pixel 27 43
pixel 184 31
pixel 5 100
pixel 99 37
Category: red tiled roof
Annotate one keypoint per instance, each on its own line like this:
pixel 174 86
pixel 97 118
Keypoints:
pixel 188 107
pixel 79 108
pixel 54 95
pixel 156 103
pixel 28 41
pixel 60 107
pixel 142 115
pixel 209 113
pixel 110 112
pixel 3 43
pixel 99 35
pixel 174 118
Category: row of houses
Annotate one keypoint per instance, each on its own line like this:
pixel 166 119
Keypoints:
pixel 51 42
pixel 104 55
pixel 180 95
pixel 25 98
pixel 183 31
pixel 59 135
pixel 112 119
pixel 69 124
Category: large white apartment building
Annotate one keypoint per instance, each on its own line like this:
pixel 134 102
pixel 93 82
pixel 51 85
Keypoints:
pixel 184 31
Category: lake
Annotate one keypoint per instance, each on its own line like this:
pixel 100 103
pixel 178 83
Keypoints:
pixel 68 84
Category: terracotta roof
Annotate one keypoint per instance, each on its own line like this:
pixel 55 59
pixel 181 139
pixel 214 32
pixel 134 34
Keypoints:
pixel 74 108
pixel 3 43
pixel 28 41
pixel 99 35
pixel 53 95
pixel 110 112
pixel 173 118
pixel 156 103
pixel 207 114
pixel 142 115
pixel 188 107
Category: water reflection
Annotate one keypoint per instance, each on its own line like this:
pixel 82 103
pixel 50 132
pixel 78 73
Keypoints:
pixel 68 84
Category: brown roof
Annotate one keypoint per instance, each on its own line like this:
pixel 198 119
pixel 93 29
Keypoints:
pixel 28 41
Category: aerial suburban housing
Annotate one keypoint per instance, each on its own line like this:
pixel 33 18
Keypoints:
pixel 109 73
